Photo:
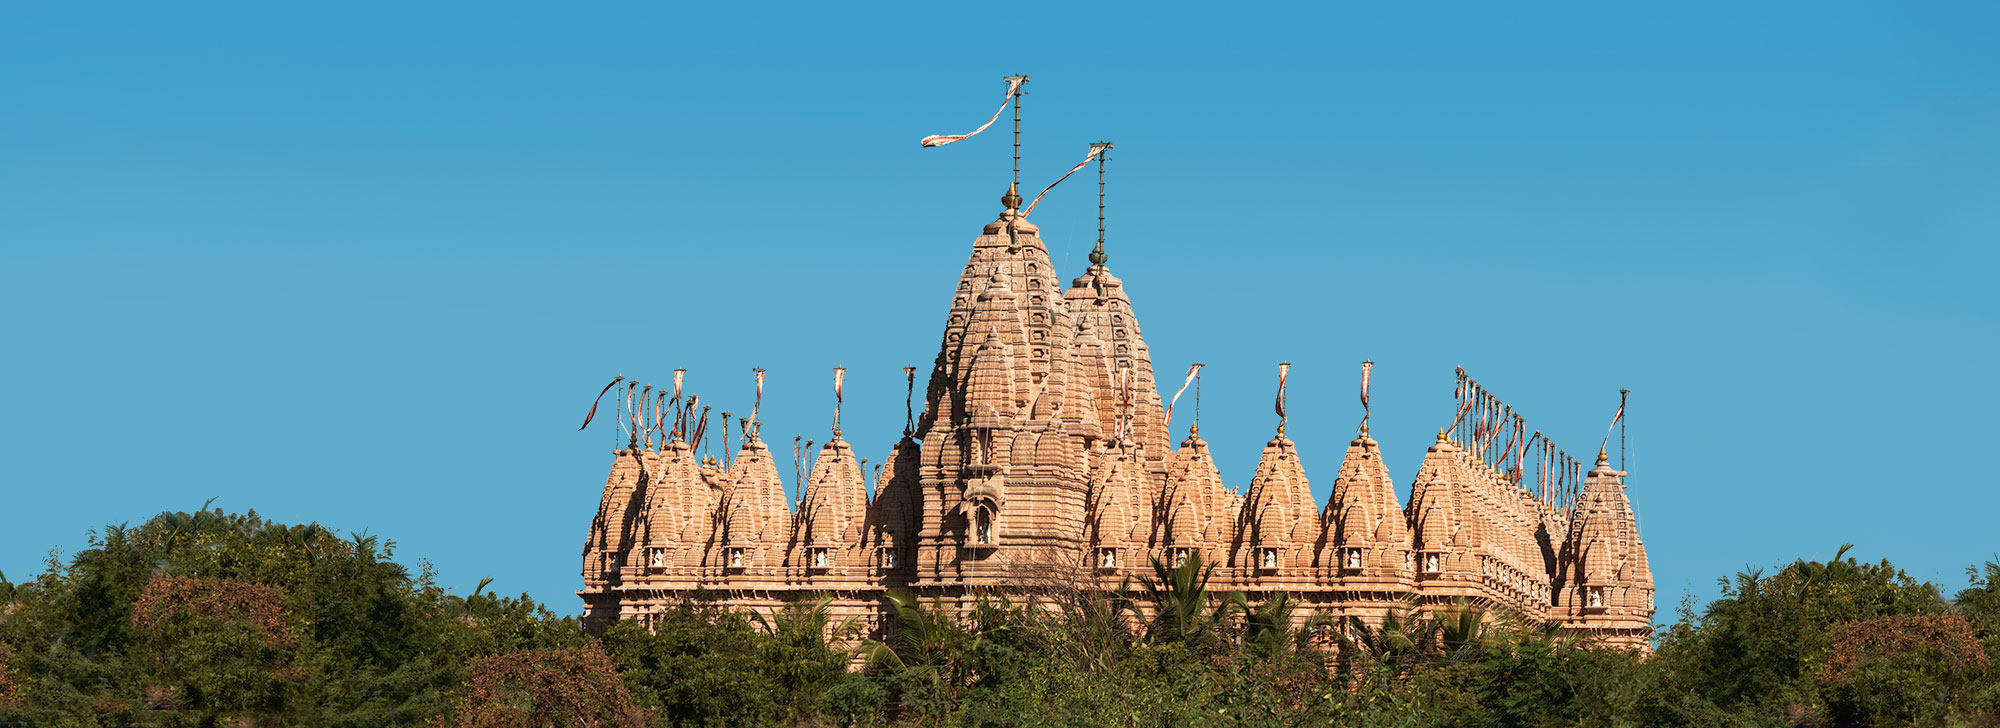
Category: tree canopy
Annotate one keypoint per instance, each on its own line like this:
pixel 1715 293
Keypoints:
pixel 212 618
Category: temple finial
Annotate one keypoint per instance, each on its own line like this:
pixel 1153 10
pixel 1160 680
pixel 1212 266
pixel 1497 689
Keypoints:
pixel 1097 256
pixel 1020 83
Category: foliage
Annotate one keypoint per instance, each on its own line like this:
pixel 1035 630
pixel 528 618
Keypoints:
pixel 212 618
pixel 573 686
pixel 1901 669
pixel 10 694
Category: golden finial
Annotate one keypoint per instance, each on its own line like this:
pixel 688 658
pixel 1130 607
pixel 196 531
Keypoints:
pixel 1013 197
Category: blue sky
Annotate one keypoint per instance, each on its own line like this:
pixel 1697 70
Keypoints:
pixel 365 265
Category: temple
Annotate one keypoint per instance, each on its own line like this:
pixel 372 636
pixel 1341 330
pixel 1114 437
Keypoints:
pixel 1042 454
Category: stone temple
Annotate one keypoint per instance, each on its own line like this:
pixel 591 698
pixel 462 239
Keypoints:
pixel 1030 467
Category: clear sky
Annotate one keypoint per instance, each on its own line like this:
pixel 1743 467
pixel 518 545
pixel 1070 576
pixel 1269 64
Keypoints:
pixel 366 264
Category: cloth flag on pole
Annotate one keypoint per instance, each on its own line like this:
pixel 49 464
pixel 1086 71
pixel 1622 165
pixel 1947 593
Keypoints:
pixel 758 403
pixel 1614 425
pixel 1284 371
pixel 1193 371
pixel 588 416
pixel 1365 366
pixel 1094 151
pixel 630 413
pixel 939 140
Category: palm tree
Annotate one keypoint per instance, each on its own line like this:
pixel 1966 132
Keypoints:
pixel 1463 629
pixel 1267 628
pixel 1403 637
pixel 1180 603
pixel 925 639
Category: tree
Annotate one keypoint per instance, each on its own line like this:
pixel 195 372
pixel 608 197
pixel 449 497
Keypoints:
pixel 1179 596
pixel 574 687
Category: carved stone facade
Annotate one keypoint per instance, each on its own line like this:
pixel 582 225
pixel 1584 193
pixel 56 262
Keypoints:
pixel 1030 459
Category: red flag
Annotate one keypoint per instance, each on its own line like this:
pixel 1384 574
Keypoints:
pixel 631 413
pixel 1365 366
pixel 1614 424
pixel 1465 396
pixel 839 373
pixel 939 140
pixel 1193 371
pixel 600 398
pixel 680 418
pixel 758 403
pixel 1094 151
pixel 646 423
pixel 909 413
pixel 660 417
pixel 1284 370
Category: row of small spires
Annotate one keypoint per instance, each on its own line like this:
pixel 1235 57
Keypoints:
pixel 1489 415
pixel 1559 477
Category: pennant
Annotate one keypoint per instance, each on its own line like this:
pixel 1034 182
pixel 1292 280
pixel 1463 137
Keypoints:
pixel 1465 397
pixel 757 404
pixel 660 417
pixel 1614 424
pixel 632 414
pixel 700 427
pixel 645 423
pixel 587 417
pixel 1284 370
pixel 680 413
pixel 1193 371
pixel 909 411
pixel 839 375
pixel 939 140
pixel 1094 151
pixel 1365 366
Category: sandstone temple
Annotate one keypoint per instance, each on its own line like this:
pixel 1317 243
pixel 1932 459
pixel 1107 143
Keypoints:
pixel 1042 451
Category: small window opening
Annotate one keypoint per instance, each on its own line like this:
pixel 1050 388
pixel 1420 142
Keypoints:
pixel 1354 558
pixel 819 558
pixel 1431 563
pixel 1270 559
pixel 1107 558
pixel 736 557
pixel 1180 557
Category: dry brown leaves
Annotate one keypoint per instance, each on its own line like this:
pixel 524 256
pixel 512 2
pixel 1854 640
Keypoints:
pixel 169 597
pixel 1947 636
pixel 10 693
pixel 576 686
